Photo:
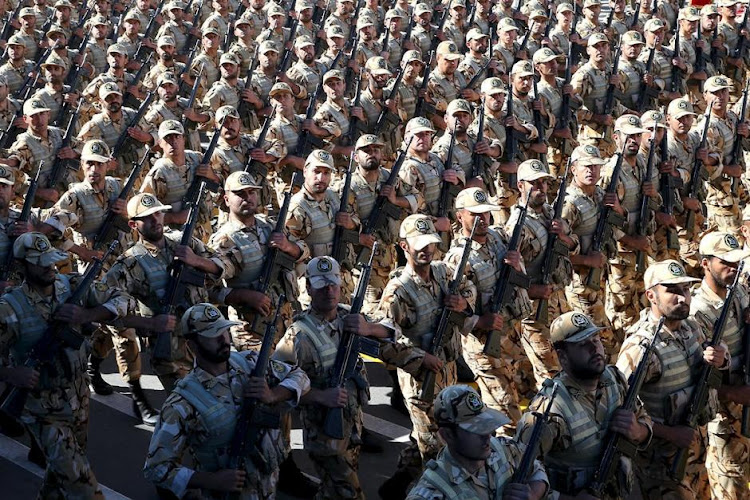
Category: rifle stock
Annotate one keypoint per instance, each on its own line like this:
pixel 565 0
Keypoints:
pixel 526 465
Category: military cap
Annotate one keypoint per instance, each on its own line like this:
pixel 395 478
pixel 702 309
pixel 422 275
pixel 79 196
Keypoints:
pixel 493 86
pixel 132 15
pixel 418 231
pixel 506 24
pixel 523 68
pixel 36 249
pixel 597 38
pixel 239 181
pixel 55 28
pixel 243 19
pixel 475 200
pixel 145 204
pixel 537 13
pixel 205 320
pixel 165 40
pixel 99 21
pixel 587 155
pixel 717 82
pixel 458 106
pixel 7 175
pixel 448 50
pixel 303 41
pixel 16 40
pixel 228 58
pixel 666 272
pixel 421 8
pixel 368 140
pixel 54 60
pixel 210 30
pixel 633 38
pixel 335 31
pixel 412 56
pixel 376 65
pixel 572 327
pixel 653 117
pixel 116 48
pixel 333 74
pixel 419 124
pixel 475 34
pixel 26 11
pixel 457 3
pixel 654 24
pixel 226 111
pixel 544 55
pixel 461 406
pixel 531 170
pixel 280 88
pixel 109 88
pixel 175 5
pixel 564 7
pixel 709 10
pixel 323 271
pixel 170 127
pixel 723 246
pixel 34 106
pixel 95 150
pixel 365 21
pixel 395 12
pixel 304 4
pixel 591 3
pixel 679 108
pixel 319 158
pixel 275 10
pixel 62 4
pixel 629 125
pixel 267 46
pixel 727 3
pixel 690 13
pixel 165 78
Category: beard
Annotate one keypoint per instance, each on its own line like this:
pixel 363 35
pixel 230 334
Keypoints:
pixel 167 57
pixel 114 107
pixel 371 164
pixel 221 355
pixel 587 372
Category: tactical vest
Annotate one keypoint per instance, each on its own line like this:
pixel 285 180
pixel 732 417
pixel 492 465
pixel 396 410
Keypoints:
pixel 408 95
pixel 155 270
pixel 253 254
pixel 371 107
pixel 539 244
pixel 325 348
pixel 219 418
pixel 340 117
pixel 228 94
pixel 308 77
pixel 462 153
pixel 431 174
pixel 5 242
pixel 365 195
pixel 734 328
pixel 594 101
pixel 42 152
pixel 450 90
pixel 589 212
pixel 552 94
pixel 323 226
pixel 633 85
pixel 725 128
pixel 427 307
pixel 421 38
pixel 94 213
pixel 177 185
pixel 630 184
pixel 98 56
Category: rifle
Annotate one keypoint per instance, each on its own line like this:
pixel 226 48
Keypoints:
pixel 564 119
pixel 714 50
pixel 648 204
pixel 347 355
pixel 739 49
pixel 511 142
pixel 354 125
pixel 342 235
pixel 410 26
pixel 276 261
pixel 615 443
pixel 84 42
pixel 737 139
pixel 508 280
pixel 573 49
pixel 254 167
pixel 386 116
pixel 608 219
pixel 130 100
pixel 82 19
pixel 667 184
pixel 524 43
pixel 349 71
pixel 254 415
pixel 676 82
pixel 187 123
pixel 435 39
pixel 636 15
pixel 180 275
pixel 288 53
pixel 383 209
pixel 50 346
pixel 386 37
pixel 198 181
pixel 537 115
pixel 609 101
pixel 472 13
pixel 526 465
pixel 448 192
pixel 745 424
pixel 242 107
pixel 191 57
pixel 8 24
pixel 478 160
pixel 138 56
pixel 11 132
pixel 28 202
pixel 60 165
pixel 432 343
pixel 72 82
pixel 124 141
pixel 27 86
pixel 306 139
pixel 113 223
pixel 698 174
pixel 648 92
pixel 422 105
pixel 710 377
pixel 190 40
pixel 555 248
pixel 319 25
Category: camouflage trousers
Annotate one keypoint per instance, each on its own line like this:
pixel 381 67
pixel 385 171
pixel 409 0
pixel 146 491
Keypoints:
pixel 591 302
pixel 424 439
pixel 169 372
pixel 497 377
pixel 127 354
pixel 728 459
pixel 654 466
pixel 689 254
pixel 338 474
pixel 536 342
pixel 63 441
pixel 725 219
pixel 625 293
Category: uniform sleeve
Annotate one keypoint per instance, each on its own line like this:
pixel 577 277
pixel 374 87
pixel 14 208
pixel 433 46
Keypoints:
pixel 630 355
pixel 7 332
pixel 555 434
pixel 111 298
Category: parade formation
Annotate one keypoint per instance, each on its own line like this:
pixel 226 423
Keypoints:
pixel 534 213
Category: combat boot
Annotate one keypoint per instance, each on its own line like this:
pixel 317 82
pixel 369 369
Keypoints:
pixel 98 384
pixel 293 482
pixel 141 407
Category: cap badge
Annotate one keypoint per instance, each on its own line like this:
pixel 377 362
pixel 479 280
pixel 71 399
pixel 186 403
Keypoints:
pixel 245 179
pixel 480 197
pixel 731 241
pixel 474 403
pixel 422 226
pixel 633 120
pixel 579 320
pixel 324 156
pixel 148 201
pixel 211 313
pixel 590 150
pixel 324 265
pixel 3 172
pixel 41 244
pixel 682 105
pixel 676 269
pixel 537 166
pixel 96 148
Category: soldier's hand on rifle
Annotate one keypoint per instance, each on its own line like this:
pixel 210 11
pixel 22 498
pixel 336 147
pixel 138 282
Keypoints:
pixel 482 147
pixel 513 259
pixel 20 123
pixel 562 133
pixel 366 240
pixel 139 135
pixel 85 254
pixel 682 436
pixel 639 243
pixel 490 321
pixel 692 204
pixel 207 172
pixel 680 63
pixel 596 260
pixel 334 397
pixel 614 79
pixel 540 291
pixel 664 219
pixel 120 207
pixel 225 480
pixel 715 355
pixel 72 98
pixel 71 313
pixel 163 323
pixel 536 105
pixel 344 219
pixel 455 302
pixel 67 153
pixel 24 377
pixel 186 255
pixel 450 176
pixel 649 189
pixel 192 115
pixel 259 155
pixel 611 200
pixel 743 129
pixel 357 111
pixel 511 122
pixel 389 192
pixel 48 194
pixel 733 170
pixel 702 154
pixel 355 323
pixel 625 423
pixel 257 388
pixel 250 96
pixel 280 241
pixel 147 42
pixel 431 363
pixel 259 301
pixel 442 224
pixel 518 491
pixel 18 228
pixel 470 95
pixel 558 227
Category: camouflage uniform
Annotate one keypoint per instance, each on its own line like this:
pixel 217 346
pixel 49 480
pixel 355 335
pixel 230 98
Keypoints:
pixel 30 149
pixel 102 126
pixel 15 75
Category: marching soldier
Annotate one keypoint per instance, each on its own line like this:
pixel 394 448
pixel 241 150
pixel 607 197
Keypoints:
pixel 445 83
pixel 467 425
pixel 201 413
pixel 587 407
pixel 10 226
pixel 457 120
pixel 333 118
pixel 17 67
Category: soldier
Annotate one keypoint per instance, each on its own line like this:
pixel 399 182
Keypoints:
pixel 411 304
pixel 728 450
pixel 521 76
pixel 507 49
pixel 367 43
pixel 663 60
pixel 413 66
pixel 165 63
pixel 374 102
pixel 53 95
pixel 312 343
pixel 467 425
pixel 17 67
pixel 286 128
pixel 27 33
pixel 57 408
pixel 394 20
pixel 457 120
pixel 10 227
pixel 333 118
pixel 117 59
pixel 142 272
pixel 244 242
pixel 243 48
pixel 671 375
pixel 201 413
pixel 636 79
pixel 98 43
pixel 227 91
pixel 208 56
pixel 586 409
pixel 445 83
pixel 304 75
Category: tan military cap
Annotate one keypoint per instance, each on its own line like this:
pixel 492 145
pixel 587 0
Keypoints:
pixel 335 31
pixel 597 38
pixel 629 125
pixel 523 68
pixel 506 24
pixel 239 181
pixel 723 246
pixel 365 21
pixel 205 320
pixel 396 12
pixel 418 231
pixel 368 140
pixel 333 74
pixel 275 10
pixel 132 16
pixel 537 14
pixel 99 21
pixel 228 58
pixel 165 78
pixel 303 41
pixel 7 175
pixel 460 405
pixel 226 111
pixel 422 8
pixel 108 89
pixel 690 13
pixel 26 11
pixel 63 3
pixel 633 38
pixel 323 271
pixel 319 158
pixel 458 106
pixel 145 204
pixel 591 3
pixel 280 88
pixel 419 124
pixel 34 106
pixel 493 86
pixel 55 28
pixel 117 48
pixel 412 56
pixel 170 127
pixel 16 40
pixel 709 10
pixel 653 117
pixel 54 60
pixel 448 50
pixel 165 40
pixel 572 327
pixel 475 34
pixel 717 82
pixel 95 150
pixel 543 55
pixel 679 108
pixel 564 7
pixel 666 272
pixel 376 65
pixel 36 249
pixel 727 3
pixel 531 170
pixel 475 200
pixel 654 24
pixel 587 155
pixel 210 30
pixel 267 46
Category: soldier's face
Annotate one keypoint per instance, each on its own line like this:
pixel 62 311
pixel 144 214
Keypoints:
pixel 632 51
pixel 62 14
pixel 172 145
pixel 670 301
pixel 537 191
pixel 213 350
pixel 151 227
pixel 632 143
pixel 269 59
pixel 564 18
pixel 457 12
pixel 367 33
pixel 495 102
pixel 276 21
pixel 584 360
pixel 317 179
pixel 654 38
pixel 94 171
pixel 324 299
pixel 369 157
pixel 334 88
pixel 168 92
pixel 467 445
pixel 175 14
pixel 228 71
pixel 547 68
pixel 305 14
pixel 244 30
pixel 38 121
pixel 592 13
pixel 424 19
pixel 117 61
pixel 243 202
pixel 283 102
pixel 681 125
pixel 28 22
pixel 446 65
pixel 54 73
pixel 100 31
pixel 598 52
pixel 230 129
pixel 421 257
pixel 688 26
pixel 166 52
pixel 586 175
pixel 619 6
pixel 522 84
pixel 132 26
pixel 413 69
pixel 721 271
pixel 717 99
pixel 478 45
pixel 395 24
pixel 708 23
pixel 729 12
pixel 113 102
pixel 540 24
pixel 210 41
pixel 422 141
pixel 6 193
pixel 16 52
pixel 335 42
pixel 466 219
pixel 459 122
pixel 38 275
pixel 306 53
